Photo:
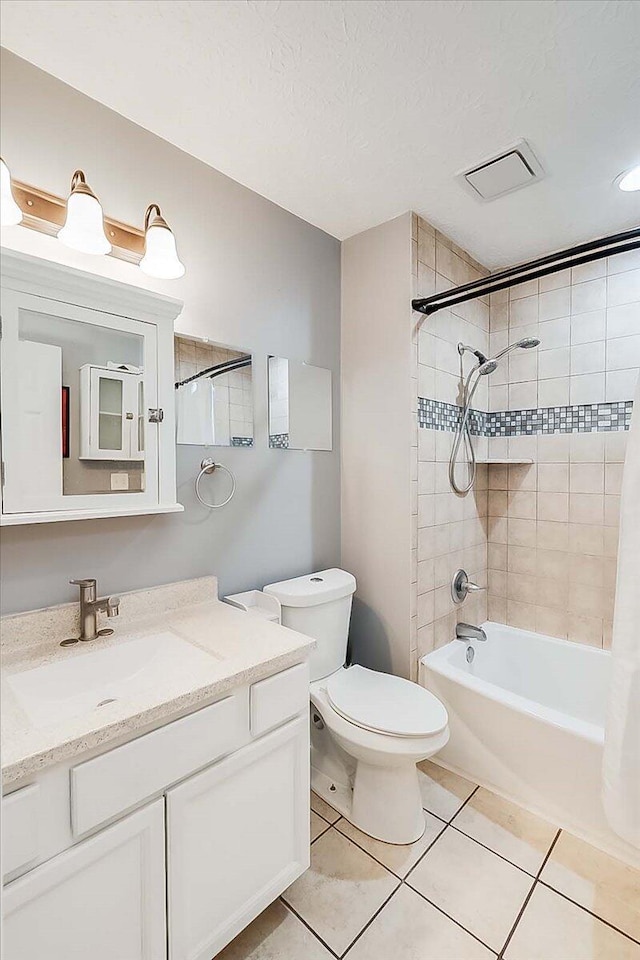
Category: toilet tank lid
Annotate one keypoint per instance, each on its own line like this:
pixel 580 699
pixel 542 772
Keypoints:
pixel 315 588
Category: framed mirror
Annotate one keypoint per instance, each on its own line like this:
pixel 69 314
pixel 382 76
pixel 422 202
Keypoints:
pixel 214 394
pixel 300 411
pixel 87 399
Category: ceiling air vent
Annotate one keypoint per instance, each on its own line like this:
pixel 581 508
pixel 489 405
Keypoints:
pixel 508 171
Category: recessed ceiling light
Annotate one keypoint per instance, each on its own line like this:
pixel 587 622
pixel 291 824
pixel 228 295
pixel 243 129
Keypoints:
pixel 630 180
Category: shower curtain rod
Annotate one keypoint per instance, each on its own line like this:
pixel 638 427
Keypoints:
pixel 554 263
pixel 218 369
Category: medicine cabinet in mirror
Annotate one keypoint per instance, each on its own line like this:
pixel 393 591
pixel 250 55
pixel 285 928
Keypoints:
pixel 87 395
pixel 214 394
pixel 300 413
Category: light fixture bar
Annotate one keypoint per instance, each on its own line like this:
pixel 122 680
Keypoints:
pixel 554 263
pixel 46 213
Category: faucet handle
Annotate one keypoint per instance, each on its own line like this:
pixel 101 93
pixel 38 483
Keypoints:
pixel 83 583
pixel 113 606
pixel 461 586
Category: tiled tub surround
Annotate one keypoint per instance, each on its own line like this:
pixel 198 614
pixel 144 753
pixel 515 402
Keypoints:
pixel 553 525
pixel 241 649
pixel 449 531
pixel 487 878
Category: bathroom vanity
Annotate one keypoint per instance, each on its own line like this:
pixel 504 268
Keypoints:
pixel 156 783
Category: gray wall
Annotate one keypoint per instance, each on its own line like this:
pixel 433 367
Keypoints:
pixel 257 277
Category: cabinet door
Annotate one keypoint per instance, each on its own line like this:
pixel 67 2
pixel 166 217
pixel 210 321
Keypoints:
pixel 111 430
pixel 237 836
pixel 103 899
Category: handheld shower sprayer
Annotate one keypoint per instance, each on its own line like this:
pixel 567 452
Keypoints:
pixel 484 367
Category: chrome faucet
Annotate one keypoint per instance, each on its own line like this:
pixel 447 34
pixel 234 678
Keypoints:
pixel 90 607
pixel 466 631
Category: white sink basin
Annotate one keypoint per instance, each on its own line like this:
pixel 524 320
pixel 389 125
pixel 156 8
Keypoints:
pixel 68 688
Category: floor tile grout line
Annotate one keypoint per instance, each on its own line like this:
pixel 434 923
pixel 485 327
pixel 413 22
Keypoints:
pixel 491 850
pixel 371 919
pixel 397 875
pixel 447 823
pixel 309 928
pixel 450 917
pixel 322 817
pixel 528 897
pixel 322 833
pixel 464 803
pixel 576 903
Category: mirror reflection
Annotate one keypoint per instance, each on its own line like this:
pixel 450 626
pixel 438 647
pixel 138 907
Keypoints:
pixel 80 403
pixel 214 394
pixel 300 413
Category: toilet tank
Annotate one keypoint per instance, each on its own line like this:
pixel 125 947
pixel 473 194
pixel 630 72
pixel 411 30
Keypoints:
pixel 319 605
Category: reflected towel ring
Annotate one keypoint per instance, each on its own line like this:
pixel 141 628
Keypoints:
pixel 209 466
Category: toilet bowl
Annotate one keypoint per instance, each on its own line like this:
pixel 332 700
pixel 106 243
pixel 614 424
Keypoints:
pixel 368 729
pixel 368 732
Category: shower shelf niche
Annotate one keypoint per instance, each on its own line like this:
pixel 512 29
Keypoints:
pixel 504 460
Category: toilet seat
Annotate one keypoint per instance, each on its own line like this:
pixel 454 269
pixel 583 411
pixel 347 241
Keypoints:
pixel 386 704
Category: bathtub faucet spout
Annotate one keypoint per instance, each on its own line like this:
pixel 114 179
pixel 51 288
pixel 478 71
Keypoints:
pixel 466 631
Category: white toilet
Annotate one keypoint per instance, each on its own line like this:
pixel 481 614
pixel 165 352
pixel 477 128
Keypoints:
pixel 368 729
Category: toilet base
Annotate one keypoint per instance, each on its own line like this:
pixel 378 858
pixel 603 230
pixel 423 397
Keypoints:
pixel 384 803
pixel 387 804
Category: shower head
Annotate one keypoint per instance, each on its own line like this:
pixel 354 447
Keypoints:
pixel 527 343
pixel 487 367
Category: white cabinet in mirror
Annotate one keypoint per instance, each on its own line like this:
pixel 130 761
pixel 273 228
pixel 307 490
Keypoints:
pixel 87 395
pixel 214 394
pixel 300 410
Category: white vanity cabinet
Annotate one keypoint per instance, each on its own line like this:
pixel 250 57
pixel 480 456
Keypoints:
pixel 224 790
pixel 237 836
pixel 102 899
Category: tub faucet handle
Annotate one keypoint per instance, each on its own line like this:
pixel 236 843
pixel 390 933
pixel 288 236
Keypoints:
pixel 461 586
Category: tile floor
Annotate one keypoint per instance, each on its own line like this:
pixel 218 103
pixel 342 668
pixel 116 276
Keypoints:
pixel 487 879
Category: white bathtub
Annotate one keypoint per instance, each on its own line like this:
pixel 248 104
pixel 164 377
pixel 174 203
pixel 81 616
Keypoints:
pixel 527 720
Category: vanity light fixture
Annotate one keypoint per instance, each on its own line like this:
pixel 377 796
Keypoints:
pixel 160 253
pixel 10 212
pixel 84 225
pixel 79 223
pixel 630 180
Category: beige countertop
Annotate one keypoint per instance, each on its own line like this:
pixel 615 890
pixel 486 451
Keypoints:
pixel 241 649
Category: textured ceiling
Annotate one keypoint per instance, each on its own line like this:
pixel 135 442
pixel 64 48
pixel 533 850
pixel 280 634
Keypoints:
pixel 350 113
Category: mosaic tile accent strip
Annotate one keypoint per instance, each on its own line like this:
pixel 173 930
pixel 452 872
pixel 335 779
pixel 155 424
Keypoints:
pixel 241 441
pixel 582 418
pixel 446 416
pixel 279 441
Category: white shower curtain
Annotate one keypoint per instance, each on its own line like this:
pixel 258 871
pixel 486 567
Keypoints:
pixel 621 766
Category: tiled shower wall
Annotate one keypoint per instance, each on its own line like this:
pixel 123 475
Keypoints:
pixel 553 524
pixel 449 531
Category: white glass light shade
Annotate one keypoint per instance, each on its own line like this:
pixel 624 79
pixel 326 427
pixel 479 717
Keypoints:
pixel 84 226
pixel 631 180
pixel 10 212
pixel 161 255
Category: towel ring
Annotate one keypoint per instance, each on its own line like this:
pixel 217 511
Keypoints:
pixel 209 466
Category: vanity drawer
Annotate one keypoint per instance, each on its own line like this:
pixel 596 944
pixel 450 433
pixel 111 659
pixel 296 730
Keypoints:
pixel 278 698
pixel 20 828
pixel 116 781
